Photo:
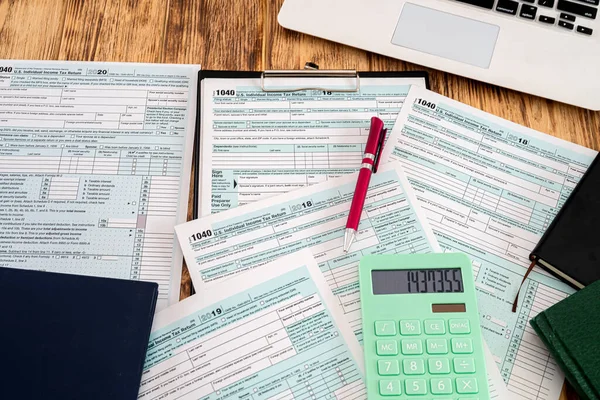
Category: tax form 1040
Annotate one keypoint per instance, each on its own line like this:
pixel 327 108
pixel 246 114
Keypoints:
pixel 277 334
pixel 95 162
pixel 225 244
pixel 256 144
pixel 490 188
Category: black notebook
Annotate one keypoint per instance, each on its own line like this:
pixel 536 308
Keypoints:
pixel 570 248
pixel 73 337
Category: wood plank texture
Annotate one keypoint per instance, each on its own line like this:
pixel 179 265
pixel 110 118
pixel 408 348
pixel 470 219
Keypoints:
pixel 31 29
pixel 113 30
pixel 240 35
pixel 218 34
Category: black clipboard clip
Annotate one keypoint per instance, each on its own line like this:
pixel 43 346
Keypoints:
pixel 311 70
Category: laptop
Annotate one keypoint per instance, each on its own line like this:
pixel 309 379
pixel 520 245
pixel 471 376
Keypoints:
pixel 549 48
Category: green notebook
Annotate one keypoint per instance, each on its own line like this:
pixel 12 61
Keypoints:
pixel 571 331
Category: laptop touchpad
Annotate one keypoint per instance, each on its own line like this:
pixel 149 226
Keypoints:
pixel 446 35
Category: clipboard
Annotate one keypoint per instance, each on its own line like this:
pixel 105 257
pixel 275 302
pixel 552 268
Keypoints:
pixel 266 78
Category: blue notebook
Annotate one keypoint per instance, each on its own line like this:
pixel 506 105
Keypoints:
pixel 73 337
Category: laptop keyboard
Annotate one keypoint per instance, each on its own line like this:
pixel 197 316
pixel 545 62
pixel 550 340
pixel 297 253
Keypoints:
pixel 571 15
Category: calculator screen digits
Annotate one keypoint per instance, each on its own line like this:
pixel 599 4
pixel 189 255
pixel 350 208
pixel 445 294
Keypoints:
pixel 403 281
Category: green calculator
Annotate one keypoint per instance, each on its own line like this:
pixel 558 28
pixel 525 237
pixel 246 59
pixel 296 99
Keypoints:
pixel 421 330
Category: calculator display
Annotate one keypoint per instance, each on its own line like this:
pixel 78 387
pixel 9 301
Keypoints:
pixel 402 281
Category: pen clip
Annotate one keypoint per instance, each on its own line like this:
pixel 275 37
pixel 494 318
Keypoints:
pixel 382 136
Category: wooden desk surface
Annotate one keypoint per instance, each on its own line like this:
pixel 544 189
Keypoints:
pixel 241 35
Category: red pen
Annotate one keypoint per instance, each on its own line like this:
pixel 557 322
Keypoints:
pixel 369 165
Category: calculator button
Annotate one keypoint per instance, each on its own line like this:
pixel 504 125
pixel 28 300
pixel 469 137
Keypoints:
pixel 462 346
pixel 435 327
pixel 389 388
pixel 413 367
pixel 459 326
pixel 388 367
pixel 387 348
pixel 441 386
pixel 437 346
pixel 415 386
pixel 385 328
pixel 464 365
pixel 438 366
pixel 410 327
pixel 466 385
pixel 412 346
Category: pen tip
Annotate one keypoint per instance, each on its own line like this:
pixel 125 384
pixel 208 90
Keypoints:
pixel 348 239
